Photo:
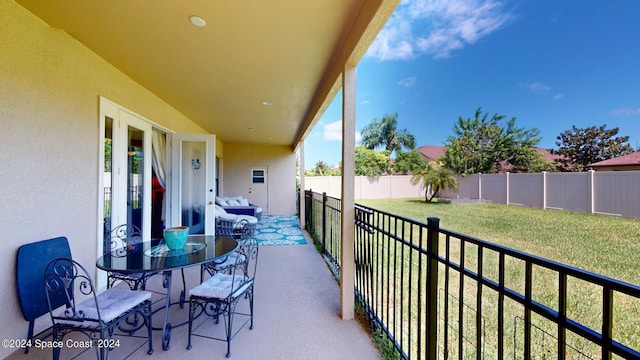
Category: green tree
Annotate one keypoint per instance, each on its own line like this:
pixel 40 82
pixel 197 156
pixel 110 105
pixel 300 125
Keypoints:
pixel 408 162
pixel 322 169
pixel 435 177
pixel 483 144
pixel 580 147
pixel 385 133
pixel 108 145
pixel 371 163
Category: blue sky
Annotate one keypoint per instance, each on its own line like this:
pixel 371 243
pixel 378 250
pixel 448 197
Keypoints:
pixel 551 64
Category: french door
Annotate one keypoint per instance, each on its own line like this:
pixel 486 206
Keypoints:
pixel 152 179
pixel 193 190
pixel 126 175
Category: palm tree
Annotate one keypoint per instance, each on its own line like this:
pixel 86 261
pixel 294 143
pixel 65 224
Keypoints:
pixel 435 178
pixel 385 133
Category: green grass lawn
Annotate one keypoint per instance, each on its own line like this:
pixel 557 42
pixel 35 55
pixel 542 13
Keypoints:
pixel 598 243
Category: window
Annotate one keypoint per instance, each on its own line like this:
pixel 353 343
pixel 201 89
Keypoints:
pixel 258 176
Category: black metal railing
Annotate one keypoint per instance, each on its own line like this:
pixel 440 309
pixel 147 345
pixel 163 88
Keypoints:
pixel 439 294
pixel 323 223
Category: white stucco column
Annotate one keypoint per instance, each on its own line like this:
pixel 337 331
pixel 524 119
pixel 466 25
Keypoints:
pixel 301 198
pixel 347 227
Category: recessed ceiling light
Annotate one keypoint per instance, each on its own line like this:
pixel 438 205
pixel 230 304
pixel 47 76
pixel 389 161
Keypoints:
pixel 267 103
pixel 250 129
pixel 197 21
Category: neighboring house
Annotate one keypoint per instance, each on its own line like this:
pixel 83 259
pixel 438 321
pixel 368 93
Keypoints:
pixel 621 163
pixel 431 152
pixel 547 155
pixel 87 87
pixel 434 152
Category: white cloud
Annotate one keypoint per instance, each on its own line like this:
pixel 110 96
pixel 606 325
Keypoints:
pixel 536 87
pixel 437 27
pixel 408 82
pixel 558 96
pixel 333 132
pixel 625 112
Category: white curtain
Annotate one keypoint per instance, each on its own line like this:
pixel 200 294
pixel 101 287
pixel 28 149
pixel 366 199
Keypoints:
pixel 159 156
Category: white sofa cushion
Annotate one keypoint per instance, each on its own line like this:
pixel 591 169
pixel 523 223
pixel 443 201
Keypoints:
pixel 223 214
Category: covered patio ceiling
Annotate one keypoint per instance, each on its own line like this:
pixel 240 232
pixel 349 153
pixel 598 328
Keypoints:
pixel 259 72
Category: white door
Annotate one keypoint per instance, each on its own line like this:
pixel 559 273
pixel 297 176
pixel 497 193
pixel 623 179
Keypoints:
pixel 193 159
pixel 258 187
pixel 132 198
pixel 125 175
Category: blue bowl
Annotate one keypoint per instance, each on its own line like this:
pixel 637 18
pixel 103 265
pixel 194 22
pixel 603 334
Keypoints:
pixel 176 237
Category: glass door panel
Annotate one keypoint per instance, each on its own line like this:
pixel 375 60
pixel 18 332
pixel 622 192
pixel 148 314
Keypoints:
pixel 135 176
pixel 193 179
pixel 125 191
pixel 193 182
pixel 107 179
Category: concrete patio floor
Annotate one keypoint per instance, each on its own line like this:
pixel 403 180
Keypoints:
pixel 296 317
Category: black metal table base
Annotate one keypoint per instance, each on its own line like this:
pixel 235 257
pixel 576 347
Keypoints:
pixel 166 325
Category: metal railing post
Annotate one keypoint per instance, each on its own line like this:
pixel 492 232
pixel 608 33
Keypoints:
pixel 433 224
pixel 308 205
pixel 324 220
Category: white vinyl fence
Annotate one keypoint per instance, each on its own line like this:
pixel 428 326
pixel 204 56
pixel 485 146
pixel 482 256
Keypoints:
pixel 603 192
pixel 383 187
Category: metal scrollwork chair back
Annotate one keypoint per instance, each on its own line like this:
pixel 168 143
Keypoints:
pixel 241 230
pixel 121 239
pixel 98 316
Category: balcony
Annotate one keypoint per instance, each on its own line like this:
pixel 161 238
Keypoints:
pixel 296 317
pixel 297 299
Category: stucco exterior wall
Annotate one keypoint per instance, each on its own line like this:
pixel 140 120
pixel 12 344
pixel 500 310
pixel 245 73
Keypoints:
pixel 280 161
pixel 49 94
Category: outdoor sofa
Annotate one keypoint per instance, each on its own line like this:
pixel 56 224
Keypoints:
pixel 239 205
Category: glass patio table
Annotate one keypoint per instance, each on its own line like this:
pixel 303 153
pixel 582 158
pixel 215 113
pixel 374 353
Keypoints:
pixel 145 258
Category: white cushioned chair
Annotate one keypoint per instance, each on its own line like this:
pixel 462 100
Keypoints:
pixel 220 294
pixel 98 316
pixel 241 230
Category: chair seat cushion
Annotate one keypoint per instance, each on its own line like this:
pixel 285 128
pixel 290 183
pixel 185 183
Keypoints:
pixel 250 219
pixel 112 303
pixel 231 260
pixel 220 286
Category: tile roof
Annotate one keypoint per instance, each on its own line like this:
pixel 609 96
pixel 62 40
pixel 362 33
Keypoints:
pixel 630 159
pixel 431 151
pixel 435 151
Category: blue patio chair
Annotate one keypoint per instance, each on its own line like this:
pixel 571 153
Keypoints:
pixel 98 316
pixel 31 259
pixel 220 294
